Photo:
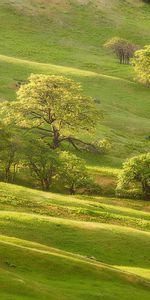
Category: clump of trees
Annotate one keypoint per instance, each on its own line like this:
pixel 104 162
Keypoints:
pixel 141 64
pixel 135 177
pixel 123 49
pixel 43 121
pixel 45 167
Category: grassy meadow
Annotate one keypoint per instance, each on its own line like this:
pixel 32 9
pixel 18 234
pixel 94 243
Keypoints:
pixel 54 37
pixel 61 247
pixel 55 246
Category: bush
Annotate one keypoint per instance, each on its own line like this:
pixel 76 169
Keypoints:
pixel 93 188
pixel 104 146
pixel 135 176
pixel 130 194
pixel 141 64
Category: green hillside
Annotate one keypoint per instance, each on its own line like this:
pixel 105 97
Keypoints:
pixel 67 37
pixel 57 247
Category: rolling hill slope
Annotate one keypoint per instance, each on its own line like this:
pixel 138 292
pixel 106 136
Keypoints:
pixel 48 254
pixel 57 247
pixel 67 37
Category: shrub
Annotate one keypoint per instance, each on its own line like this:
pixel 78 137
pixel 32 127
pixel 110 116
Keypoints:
pixel 141 64
pixel 135 176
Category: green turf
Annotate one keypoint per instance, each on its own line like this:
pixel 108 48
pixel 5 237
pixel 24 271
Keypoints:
pixel 47 250
pixel 57 247
pixel 65 39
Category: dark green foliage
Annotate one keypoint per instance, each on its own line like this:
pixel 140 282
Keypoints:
pixel 73 172
pixel 10 146
pixel 41 161
pixel 136 175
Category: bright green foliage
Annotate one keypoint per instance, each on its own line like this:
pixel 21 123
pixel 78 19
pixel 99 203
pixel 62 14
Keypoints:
pixel 55 106
pixel 141 63
pixel 73 171
pixel 104 145
pixel 136 173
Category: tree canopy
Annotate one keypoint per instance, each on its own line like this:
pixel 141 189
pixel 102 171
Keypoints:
pixel 136 173
pixel 73 171
pixel 41 161
pixel 9 153
pixel 55 107
pixel 141 63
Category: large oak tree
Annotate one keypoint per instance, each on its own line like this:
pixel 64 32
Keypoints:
pixel 56 108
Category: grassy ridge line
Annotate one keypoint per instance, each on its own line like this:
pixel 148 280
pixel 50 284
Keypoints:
pixel 53 28
pixel 35 247
pixel 51 204
pixel 74 38
pixel 61 69
pixel 78 73
pixel 40 275
pixel 85 238
pixel 117 98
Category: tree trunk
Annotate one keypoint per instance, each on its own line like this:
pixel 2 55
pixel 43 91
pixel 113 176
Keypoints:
pixel 8 173
pixel 146 190
pixel 56 141
pixel 72 190
pixel 45 184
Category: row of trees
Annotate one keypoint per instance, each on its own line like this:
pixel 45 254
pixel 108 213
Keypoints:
pixel 30 155
pixel 127 53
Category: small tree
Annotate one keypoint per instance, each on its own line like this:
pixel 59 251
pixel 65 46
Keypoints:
pixel 123 49
pixel 41 161
pixel 73 172
pixel 141 63
pixel 136 173
pixel 9 153
pixel 55 107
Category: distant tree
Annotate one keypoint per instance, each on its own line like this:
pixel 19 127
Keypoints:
pixel 141 63
pixel 136 173
pixel 9 153
pixel 41 161
pixel 73 172
pixel 56 108
pixel 123 49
